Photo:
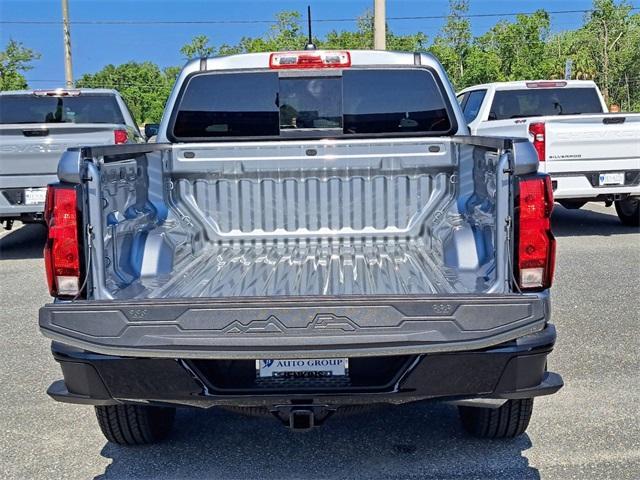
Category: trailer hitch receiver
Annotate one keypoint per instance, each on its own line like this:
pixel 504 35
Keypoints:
pixel 302 417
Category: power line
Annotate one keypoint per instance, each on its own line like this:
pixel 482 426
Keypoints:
pixel 503 39
pixel 510 14
pixel 248 22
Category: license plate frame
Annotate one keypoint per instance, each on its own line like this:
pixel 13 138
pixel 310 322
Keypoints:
pixel 611 179
pixel 303 368
pixel 35 196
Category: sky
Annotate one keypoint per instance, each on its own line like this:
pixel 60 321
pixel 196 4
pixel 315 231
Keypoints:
pixel 94 46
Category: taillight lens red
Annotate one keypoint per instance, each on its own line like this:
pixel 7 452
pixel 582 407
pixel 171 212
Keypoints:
pixel 536 245
pixel 62 250
pixel 537 131
pixel 558 84
pixel 120 136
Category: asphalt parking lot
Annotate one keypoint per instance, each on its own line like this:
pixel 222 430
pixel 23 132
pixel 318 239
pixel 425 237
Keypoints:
pixel 590 429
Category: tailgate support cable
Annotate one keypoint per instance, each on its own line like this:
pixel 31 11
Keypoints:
pixel 88 256
pixel 509 224
pixel 509 249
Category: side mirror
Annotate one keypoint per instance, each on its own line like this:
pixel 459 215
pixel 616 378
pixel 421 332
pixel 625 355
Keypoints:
pixel 151 130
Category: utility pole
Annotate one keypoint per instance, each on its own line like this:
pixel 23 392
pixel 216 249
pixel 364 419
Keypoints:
pixel 568 64
pixel 68 71
pixel 379 25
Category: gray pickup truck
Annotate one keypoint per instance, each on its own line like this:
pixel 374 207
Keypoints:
pixel 313 231
pixel 36 127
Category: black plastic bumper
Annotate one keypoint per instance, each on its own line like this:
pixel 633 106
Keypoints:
pixel 516 369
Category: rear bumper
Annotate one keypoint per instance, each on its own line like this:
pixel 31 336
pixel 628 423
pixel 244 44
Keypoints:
pixel 12 199
pixel 515 369
pixel 294 327
pixel 584 185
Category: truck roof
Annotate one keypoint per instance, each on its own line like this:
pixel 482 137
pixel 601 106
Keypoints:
pixel 110 91
pixel 357 57
pixel 520 84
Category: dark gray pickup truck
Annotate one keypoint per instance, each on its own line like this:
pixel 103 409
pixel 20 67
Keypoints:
pixel 313 231
pixel 36 127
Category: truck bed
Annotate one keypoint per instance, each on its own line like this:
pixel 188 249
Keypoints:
pixel 302 269
pixel 259 250
pixel 363 217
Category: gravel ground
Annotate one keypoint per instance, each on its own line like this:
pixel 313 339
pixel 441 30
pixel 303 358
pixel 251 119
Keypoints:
pixel 590 429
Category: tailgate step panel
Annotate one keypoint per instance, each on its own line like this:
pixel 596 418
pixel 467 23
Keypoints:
pixel 285 327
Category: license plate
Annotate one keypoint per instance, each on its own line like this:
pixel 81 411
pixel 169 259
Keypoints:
pixel 616 178
pixel 308 368
pixel 33 196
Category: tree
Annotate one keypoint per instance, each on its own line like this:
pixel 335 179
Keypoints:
pixel 569 45
pixel 481 66
pixel 143 86
pixel 604 49
pixel 628 92
pixel 519 46
pixel 14 60
pixel 171 74
pixel 453 43
pixel 285 34
pixel 198 48
pixel 362 38
pixel 609 32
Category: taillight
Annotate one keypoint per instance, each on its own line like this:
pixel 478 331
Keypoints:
pixel 58 92
pixel 120 136
pixel 537 131
pixel 535 244
pixel 310 59
pixel 557 84
pixel 62 250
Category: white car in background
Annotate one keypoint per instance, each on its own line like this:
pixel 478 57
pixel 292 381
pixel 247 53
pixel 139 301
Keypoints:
pixel 591 155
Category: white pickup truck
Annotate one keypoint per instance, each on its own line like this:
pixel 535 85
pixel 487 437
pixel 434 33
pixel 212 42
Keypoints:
pixel 591 155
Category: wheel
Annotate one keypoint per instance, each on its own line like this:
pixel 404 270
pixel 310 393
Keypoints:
pixel 135 424
pixel 510 420
pixel 629 211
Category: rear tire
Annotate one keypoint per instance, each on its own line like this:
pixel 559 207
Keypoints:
pixel 628 211
pixel 508 421
pixel 135 424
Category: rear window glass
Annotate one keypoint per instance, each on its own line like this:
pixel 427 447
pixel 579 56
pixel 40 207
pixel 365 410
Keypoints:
pixel 80 109
pixel 472 105
pixel 310 103
pixel 535 102
pixel 393 101
pixel 349 103
pixel 229 105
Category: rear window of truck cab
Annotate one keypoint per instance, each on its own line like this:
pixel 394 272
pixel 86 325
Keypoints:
pixel 83 108
pixel 354 102
pixel 540 102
